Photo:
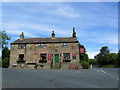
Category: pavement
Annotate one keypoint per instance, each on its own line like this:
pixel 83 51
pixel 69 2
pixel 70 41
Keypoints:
pixel 36 78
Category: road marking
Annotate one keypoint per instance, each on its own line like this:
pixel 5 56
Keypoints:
pixel 79 72
pixel 102 71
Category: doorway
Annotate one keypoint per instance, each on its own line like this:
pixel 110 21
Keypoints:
pixel 56 58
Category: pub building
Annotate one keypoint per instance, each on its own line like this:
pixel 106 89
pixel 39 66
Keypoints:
pixel 46 53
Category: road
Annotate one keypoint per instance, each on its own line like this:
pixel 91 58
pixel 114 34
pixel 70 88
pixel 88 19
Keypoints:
pixel 35 78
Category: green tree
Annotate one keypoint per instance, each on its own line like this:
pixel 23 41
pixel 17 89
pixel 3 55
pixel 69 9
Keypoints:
pixel 83 56
pixel 92 61
pixel 118 59
pixel 85 64
pixel 104 50
pixel 5 39
pixel 5 50
pixel 5 57
pixel 107 58
pixel 102 56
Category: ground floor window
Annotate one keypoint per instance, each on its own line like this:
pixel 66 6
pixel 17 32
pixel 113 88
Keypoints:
pixel 21 56
pixel 66 57
pixel 43 57
pixel 74 56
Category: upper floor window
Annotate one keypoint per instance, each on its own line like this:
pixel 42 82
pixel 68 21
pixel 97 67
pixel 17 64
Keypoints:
pixel 21 46
pixel 64 45
pixel 41 45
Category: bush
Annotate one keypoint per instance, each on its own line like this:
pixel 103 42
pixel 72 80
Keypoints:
pixel 85 64
pixel 92 61
pixel 5 62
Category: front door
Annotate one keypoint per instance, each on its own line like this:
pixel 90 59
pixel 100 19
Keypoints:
pixel 56 57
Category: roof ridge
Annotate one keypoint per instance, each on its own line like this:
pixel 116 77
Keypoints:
pixel 48 37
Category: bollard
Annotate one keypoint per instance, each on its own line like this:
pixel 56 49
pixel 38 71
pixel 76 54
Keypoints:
pixel 90 66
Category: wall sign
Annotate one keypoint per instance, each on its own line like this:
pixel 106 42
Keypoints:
pixel 49 56
pixel 82 50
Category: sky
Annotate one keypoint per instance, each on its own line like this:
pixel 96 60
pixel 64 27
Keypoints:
pixel 96 23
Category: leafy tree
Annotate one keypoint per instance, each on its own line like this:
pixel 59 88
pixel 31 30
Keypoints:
pixel 5 50
pixel 106 58
pixel 102 56
pixel 85 64
pixel 83 56
pixel 118 59
pixel 92 61
pixel 104 50
pixel 5 57
pixel 5 39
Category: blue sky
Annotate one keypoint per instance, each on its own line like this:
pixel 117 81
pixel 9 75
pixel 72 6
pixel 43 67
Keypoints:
pixel 96 23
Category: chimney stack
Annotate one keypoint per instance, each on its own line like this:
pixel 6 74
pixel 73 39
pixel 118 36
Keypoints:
pixel 21 36
pixel 74 33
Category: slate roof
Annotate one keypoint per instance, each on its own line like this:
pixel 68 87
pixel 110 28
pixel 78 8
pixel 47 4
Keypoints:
pixel 46 40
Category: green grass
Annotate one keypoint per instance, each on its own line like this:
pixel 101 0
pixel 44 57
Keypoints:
pixel 110 66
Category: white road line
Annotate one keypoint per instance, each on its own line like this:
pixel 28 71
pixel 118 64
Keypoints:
pixel 102 71
pixel 79 72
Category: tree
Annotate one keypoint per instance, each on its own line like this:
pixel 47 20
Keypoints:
pixel 118 59
pixel 5 57
pixel 103 55
pixel 92 61
pixel 5 39
pixel 107 58
pixel 104 50
pixel 85 64
pixel 5 50
pixel 84 56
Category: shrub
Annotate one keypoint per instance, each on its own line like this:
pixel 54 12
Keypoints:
pixel 92 61
pixel 5 62
pixel 85 64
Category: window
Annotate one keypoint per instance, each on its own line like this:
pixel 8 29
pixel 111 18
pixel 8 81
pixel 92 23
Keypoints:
pixel 64 45
pixel 66 55
pixel 73 56
pixel 21 56
pixel 43 56
pixel 21 46
pixel 41 45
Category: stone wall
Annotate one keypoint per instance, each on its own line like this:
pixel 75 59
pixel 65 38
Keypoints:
pixel 32 55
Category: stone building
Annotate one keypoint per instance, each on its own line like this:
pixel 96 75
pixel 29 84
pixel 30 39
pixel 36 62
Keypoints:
pixel 45 53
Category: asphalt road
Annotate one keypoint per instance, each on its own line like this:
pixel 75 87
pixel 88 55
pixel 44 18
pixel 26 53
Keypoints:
pixel 35 78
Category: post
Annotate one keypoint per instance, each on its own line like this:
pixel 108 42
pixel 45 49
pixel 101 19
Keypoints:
pixel 90 66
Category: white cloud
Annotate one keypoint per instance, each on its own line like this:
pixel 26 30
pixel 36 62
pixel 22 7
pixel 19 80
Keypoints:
pixel 111 39
pixel 31 29
pixel 92 54
pixel 67 12
pixel 18 32
pixel 101 42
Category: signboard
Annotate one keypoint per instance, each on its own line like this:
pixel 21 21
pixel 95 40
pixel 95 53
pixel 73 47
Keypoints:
pixel 74 54
pixel 82 50
pixel 49 56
